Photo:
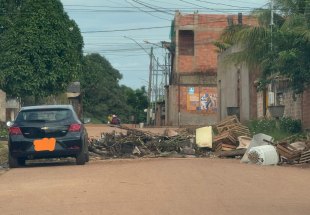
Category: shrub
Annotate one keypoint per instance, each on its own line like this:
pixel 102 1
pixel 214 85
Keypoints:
pixel 262 125
pixel 290 125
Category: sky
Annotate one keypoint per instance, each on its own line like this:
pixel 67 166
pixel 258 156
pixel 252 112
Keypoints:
pixel 123 31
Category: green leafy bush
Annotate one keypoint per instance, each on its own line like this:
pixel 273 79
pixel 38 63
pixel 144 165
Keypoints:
pixel 262 125
pixel 3 131
pixel 290 125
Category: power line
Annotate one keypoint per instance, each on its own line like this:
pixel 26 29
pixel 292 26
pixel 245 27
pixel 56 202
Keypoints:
pixel 145 11
pixel 157 8
pixel 128 29
pixel 224 4
pixel 121 50
pixel 210 20
pixel 153 7
pixel 199 6
pixel 247 2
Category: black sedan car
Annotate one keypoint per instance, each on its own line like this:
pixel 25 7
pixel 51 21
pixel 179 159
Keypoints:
pixel 47 131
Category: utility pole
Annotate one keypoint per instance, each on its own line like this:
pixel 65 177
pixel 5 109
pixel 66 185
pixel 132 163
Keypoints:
pixel 166 70
pixel 149 92
pixel 156 89
pixel 271 48
pixel 271 24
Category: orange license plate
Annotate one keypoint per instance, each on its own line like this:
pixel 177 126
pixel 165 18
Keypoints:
pixel 45 144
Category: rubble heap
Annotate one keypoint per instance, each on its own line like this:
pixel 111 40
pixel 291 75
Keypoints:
pixel 142 144
pixel 231 139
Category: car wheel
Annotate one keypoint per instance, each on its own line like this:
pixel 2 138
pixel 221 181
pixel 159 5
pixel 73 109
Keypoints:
pixel 81 158
pixel 13 161
pixel 87 156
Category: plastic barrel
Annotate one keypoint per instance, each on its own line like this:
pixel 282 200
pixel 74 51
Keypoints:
pixel 267 154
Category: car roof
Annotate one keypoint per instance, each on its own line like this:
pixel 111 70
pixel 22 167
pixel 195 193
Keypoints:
pixel 39 107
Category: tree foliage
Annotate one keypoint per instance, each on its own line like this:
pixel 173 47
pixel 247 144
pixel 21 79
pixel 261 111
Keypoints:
pixel 103 95
pixel 282 50
pixel 138 102
pixel 40 48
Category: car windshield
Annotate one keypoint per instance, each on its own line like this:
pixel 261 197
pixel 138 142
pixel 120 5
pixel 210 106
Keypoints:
pixel 44 115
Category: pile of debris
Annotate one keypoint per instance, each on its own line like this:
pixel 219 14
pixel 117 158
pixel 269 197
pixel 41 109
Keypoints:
pixel 137 143
pixel 294 153
pixel 231 139
pixel 228 132
pixel 262 150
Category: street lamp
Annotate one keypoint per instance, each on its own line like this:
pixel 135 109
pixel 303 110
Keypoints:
pixel 150 78
pixel 148 42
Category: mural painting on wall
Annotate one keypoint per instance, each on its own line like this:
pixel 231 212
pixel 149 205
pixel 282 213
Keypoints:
pixel 202 99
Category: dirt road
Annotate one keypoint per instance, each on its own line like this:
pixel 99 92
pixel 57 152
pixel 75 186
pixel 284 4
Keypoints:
pixel 155 186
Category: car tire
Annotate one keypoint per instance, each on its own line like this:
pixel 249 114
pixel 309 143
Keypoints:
pixel 13 161
pixel 87 156
pixel 81 158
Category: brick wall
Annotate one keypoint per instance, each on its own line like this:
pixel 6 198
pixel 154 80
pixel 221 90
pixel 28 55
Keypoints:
pixel 292 105
pixel 207 29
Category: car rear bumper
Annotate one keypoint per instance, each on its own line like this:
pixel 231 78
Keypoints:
pixel 45 154
pixel 25 148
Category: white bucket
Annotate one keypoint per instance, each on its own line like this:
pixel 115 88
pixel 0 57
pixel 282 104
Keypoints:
pixel 267 154
pixel 258 140
pixel 141 125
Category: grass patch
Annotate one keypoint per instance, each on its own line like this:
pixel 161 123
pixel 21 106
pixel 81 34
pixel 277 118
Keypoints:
pixel 3 151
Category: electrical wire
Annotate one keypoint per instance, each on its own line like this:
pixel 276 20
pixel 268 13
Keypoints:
pixel 128 29
pixel 146 11
pixel 153 7
pixel 239 7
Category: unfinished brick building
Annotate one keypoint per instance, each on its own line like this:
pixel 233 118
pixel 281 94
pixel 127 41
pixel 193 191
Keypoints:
pixel 192 92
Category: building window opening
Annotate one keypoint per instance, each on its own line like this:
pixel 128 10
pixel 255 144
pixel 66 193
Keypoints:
pixel 186 42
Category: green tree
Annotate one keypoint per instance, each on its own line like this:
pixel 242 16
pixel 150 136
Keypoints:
pixel 281 50
pixel 137 101
pixel 100 84
pixel 102 94
pixel 40 48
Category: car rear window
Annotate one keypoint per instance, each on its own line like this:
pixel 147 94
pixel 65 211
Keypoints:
pixel 44 115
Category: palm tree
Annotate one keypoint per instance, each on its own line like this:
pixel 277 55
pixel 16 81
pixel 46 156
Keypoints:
pixel 282 49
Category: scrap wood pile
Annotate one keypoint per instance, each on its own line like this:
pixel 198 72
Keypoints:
pixel 228 132
pixel 294 153
pixel 141 143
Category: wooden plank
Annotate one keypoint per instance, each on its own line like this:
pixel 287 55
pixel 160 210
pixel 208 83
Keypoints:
pixel 283 149
pixel 287 148
pixel 305 157
pixel 233 153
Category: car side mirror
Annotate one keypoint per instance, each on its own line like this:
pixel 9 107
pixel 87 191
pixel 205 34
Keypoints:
pixel 9 123
pixel 86 120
